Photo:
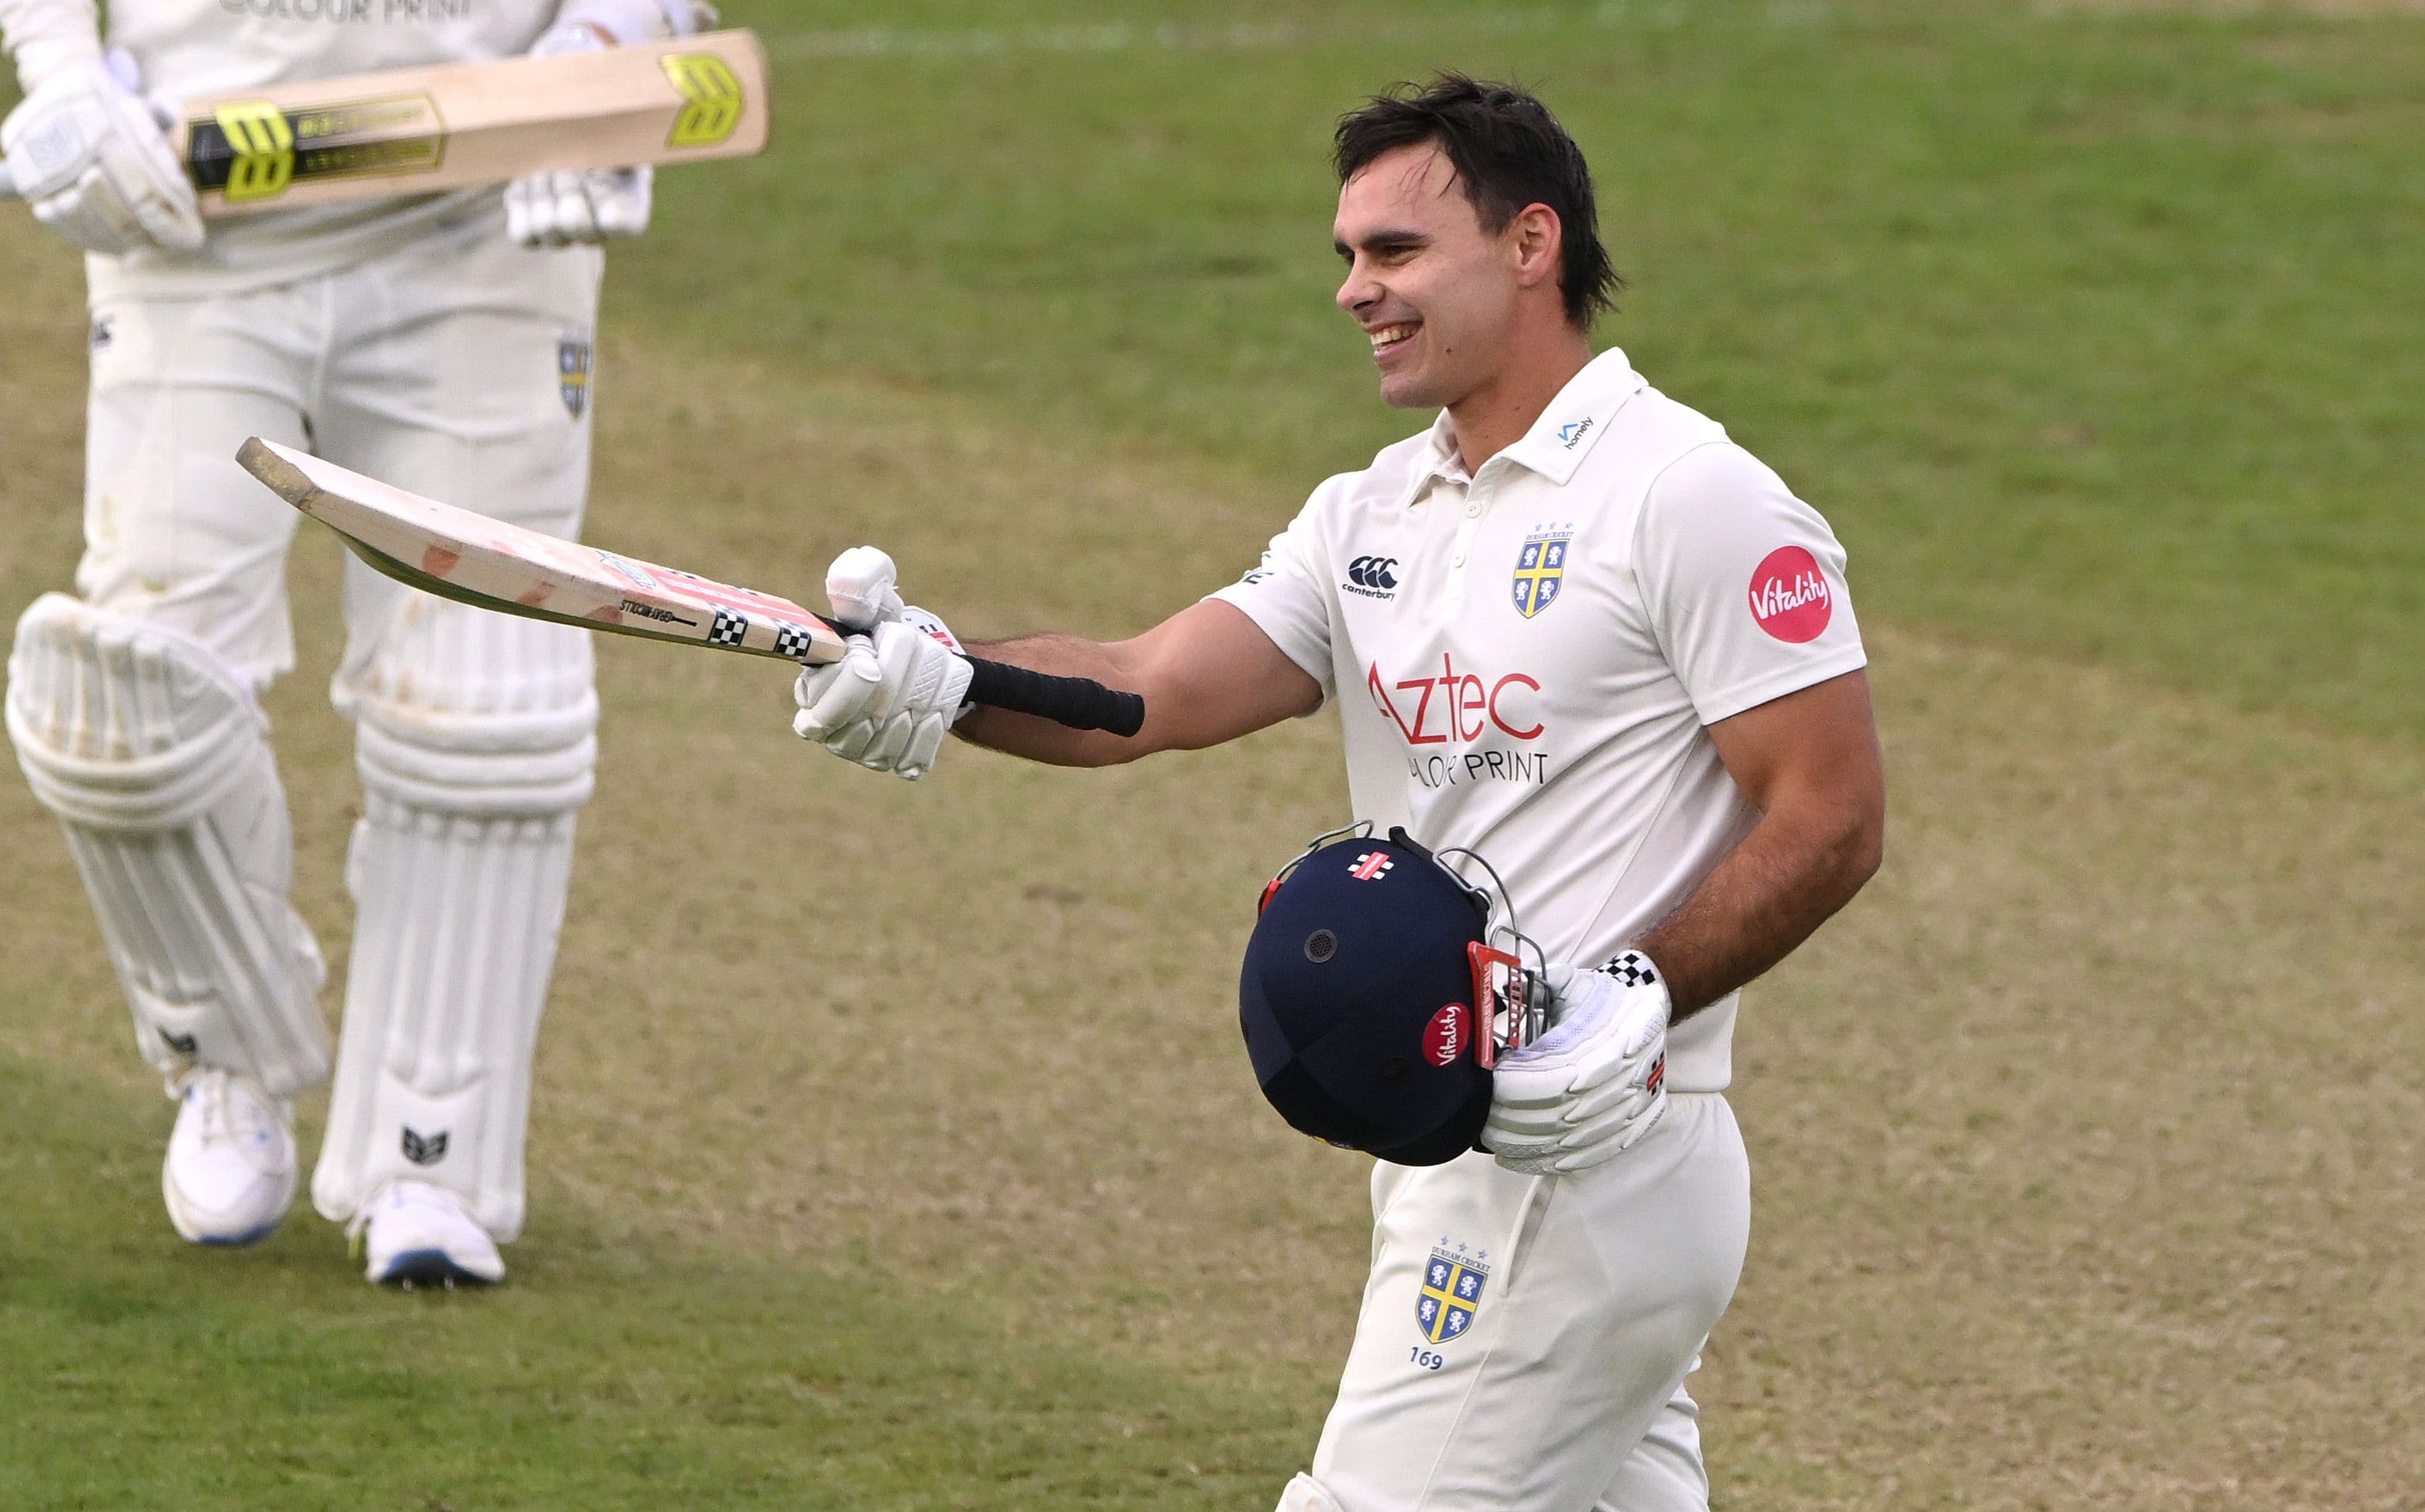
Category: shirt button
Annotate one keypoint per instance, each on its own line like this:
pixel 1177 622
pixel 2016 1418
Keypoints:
pixel 1457 560
pixel 1473 508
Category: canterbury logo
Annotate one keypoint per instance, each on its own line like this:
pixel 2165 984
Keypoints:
pixel 1373 572
pixel 181 1044
pixel 425 1152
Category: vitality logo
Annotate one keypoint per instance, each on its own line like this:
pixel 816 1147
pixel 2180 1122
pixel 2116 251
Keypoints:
pixel 1373 577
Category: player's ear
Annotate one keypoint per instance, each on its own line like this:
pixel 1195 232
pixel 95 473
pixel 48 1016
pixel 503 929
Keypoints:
pixel 1535 239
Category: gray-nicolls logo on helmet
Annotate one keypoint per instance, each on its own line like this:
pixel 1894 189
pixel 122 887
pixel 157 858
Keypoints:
pixel 1378 989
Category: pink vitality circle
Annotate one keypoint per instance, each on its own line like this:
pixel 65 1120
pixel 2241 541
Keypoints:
pixel 1789 595
pixel 1444 1037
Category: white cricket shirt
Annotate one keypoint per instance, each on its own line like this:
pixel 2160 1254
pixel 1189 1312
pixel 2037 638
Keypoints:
pixel 1524 660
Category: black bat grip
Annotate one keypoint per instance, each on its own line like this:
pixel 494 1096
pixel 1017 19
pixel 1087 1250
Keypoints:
pixel 1079 703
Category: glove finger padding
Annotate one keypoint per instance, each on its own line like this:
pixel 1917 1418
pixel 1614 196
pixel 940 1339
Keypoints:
pixel 839 694
pixel 862 586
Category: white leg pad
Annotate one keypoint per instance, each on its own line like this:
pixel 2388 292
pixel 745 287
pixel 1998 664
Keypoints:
pixel 476 743
pixel 155 757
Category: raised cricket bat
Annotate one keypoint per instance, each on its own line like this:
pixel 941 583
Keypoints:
pixel 471 558
pixel 411 131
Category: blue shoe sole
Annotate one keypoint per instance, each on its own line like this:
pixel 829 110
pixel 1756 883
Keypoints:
pixel 235 1241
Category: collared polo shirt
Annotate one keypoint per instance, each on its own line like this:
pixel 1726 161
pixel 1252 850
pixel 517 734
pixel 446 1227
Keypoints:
pixel 1525 661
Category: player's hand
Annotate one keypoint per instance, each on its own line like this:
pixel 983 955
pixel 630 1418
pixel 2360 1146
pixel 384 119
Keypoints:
pixel 897 690
pixel 562 207
pixel 1591 1087
pixel 91 157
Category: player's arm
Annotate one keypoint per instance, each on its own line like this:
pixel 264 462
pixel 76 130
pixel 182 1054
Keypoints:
pixel 1809 763
pixel 1208 674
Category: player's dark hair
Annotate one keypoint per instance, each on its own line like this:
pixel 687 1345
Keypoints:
pixel 1509 152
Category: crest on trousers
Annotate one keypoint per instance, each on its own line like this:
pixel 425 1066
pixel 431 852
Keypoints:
pixel 572 360
pixel 1540 571
pixel 1451 1292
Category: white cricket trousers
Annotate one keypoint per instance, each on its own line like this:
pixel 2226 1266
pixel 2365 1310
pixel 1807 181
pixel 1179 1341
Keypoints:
pixel 1524 1340
pixel 439 365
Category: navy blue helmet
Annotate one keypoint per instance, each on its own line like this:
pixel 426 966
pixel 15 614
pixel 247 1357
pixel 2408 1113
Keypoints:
pixel 1366 1000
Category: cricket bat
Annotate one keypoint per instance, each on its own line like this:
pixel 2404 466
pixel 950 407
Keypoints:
pixel 491 563
pixel 412 131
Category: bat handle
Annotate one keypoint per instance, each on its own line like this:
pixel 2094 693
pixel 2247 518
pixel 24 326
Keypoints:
pixel 1079 703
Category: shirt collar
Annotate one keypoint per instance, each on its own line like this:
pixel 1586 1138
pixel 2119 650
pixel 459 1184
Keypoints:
pixel 1578 417
pixel 1559 440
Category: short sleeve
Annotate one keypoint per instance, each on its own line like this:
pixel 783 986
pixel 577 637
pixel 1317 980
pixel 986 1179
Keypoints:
pixel 1743 583
pixel 1287 594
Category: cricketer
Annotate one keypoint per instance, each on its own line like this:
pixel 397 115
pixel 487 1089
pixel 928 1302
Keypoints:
pixel 442 340
pixel 1574 628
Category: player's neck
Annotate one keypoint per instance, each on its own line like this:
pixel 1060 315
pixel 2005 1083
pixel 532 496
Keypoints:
pixel 1496 414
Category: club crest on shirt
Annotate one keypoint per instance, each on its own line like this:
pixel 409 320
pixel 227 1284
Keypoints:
pixel 1540 569
pixel 573 375
pixel 1451 1292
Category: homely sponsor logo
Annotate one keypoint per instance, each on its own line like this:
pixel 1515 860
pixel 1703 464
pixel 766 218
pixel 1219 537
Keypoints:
pixel 1789 595
pixel 1484 713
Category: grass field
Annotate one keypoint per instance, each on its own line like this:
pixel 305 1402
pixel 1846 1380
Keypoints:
pixel 923 1170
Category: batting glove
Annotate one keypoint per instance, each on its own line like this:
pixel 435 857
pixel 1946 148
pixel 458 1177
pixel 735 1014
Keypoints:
pixel 1589 1089
pixel 91 157
pixel 899 687
pixel 560 208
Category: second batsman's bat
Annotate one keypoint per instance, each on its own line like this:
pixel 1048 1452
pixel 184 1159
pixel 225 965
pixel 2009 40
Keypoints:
pixel 414 129
pixel 474 559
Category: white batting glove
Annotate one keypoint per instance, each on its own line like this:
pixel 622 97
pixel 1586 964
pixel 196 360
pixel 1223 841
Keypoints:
pixel 559 208
pixel 897 690
pixel 91 157
pixel 1590 1089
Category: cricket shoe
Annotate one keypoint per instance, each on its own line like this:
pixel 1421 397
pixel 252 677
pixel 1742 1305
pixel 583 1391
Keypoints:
pixel 420 1235
pixel 230 1175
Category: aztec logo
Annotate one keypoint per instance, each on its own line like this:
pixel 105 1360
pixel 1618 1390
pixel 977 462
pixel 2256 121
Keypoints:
pixel 1540 571
pixel 1373 577
pixel 572 363
pixel 1450 1294
pixel 1789 595
pixel 251 150
pixel 1369 866
pixel 423 1150
pixel 713 95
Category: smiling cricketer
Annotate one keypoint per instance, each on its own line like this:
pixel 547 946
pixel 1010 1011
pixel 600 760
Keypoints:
pixel 1573 627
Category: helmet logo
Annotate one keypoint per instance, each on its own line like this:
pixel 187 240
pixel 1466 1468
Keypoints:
pixel 1445 1037
pixel 1371 866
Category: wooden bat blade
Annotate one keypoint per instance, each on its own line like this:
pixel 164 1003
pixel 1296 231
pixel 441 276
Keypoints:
pixel 495 565
pixel 471 559
pixel 412 131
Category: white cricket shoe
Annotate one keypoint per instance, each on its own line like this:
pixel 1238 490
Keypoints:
pixel 420 1233
pixel 230 1175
